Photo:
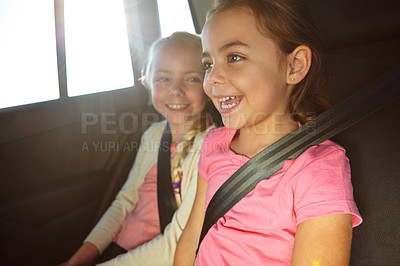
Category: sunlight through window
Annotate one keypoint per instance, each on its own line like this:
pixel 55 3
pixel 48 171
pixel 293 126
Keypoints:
pixel 28 58
pixel 175 16
pixel 97 47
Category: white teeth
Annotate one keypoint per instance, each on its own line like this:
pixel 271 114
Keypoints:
pixel 226 98
pixel 177 106
pixel 227 106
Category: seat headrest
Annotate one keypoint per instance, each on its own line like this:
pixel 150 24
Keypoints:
pixel 343 22
pixel 348 23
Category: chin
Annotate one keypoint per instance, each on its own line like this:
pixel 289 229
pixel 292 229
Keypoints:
pixel 231 123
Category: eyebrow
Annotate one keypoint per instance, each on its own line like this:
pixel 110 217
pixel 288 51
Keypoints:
pixel 227 46
pixel 188 72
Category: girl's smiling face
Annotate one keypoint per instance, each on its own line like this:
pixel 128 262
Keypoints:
pixel 246 73
pixel 176 83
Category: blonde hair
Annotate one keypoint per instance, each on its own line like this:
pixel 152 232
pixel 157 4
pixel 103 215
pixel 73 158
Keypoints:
pixel 205 118
pixel 184 147
pixel 176 39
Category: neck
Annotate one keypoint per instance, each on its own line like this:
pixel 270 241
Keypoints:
pixel 179 131
pixel 252 140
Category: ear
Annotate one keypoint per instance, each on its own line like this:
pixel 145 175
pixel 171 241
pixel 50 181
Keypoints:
pixel 299 64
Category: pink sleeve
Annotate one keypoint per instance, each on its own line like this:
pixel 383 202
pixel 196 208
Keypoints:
pixel 324 186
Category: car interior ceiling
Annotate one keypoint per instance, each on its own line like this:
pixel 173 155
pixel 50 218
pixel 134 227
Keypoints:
pixel 53 190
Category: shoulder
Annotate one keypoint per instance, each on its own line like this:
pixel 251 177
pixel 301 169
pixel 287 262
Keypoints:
pixel 217 139
pixel 156 127
pixel 325 151
pixel 322 185
pixel 154 131
pixel 320 164
pixel 201 135
pixel 199 139
pixel 326 147
pixel 220 135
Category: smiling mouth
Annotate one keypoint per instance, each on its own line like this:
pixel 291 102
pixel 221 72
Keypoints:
pixel 177 106
pixel 227 104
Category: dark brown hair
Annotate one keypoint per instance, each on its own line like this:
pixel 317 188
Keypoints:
pixel 289 24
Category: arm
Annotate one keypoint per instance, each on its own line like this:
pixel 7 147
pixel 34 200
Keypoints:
pixel 106 229
pixel 110 223
pixel 325 208
pixel 187 245
pixel 125 201
pixel 161 250
pixel 85 255
pixel 324 240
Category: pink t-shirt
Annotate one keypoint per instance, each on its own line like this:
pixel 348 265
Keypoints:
pixel 260 229
pixel 143 223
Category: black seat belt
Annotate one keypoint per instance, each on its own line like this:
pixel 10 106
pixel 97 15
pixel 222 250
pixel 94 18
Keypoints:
pixel 165 195
pixel 336 119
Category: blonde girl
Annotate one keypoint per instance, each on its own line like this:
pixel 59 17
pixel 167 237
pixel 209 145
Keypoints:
pixel 129 232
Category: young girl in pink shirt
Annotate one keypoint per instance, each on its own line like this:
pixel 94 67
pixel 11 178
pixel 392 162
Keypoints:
pixel 264 61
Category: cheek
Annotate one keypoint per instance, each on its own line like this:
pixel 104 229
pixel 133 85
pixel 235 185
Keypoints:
pixel 207 89
pixel 200 96
pixel 158 91
pixel 157 95
pixel 208 92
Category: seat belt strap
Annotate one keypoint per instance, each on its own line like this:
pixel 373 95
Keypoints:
pixel 364 102
pixel 165 195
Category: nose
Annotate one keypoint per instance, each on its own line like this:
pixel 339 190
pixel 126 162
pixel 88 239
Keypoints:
pixel 214 76
pixel 176 89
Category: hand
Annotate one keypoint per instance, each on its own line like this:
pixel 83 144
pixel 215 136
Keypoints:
pixel 186 249
pixel 85 256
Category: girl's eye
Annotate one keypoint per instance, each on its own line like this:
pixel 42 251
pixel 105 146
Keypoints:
pixel 194 79
pixel 232 58
pixel 206 66
pixel 161 79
